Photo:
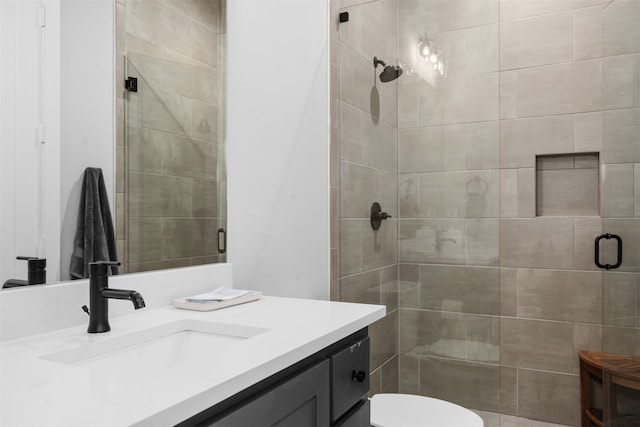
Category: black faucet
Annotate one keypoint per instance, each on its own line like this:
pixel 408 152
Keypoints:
pixel 99 293
pixel 36 270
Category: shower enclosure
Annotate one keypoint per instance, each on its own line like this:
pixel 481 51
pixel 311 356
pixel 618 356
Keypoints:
pixel 506 147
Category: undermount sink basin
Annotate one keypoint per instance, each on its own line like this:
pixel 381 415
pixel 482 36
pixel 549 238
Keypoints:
pixel 170 344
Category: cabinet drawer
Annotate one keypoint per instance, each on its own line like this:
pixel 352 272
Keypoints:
pixel 360 417
pixel 301 401
pixel 349 377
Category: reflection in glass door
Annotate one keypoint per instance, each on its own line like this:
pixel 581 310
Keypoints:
pixel 620 172
pixel 175 185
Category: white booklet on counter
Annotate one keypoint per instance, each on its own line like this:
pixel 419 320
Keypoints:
pixel 219 298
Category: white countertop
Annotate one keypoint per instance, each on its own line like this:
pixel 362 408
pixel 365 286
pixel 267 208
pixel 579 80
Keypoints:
pixel 38 392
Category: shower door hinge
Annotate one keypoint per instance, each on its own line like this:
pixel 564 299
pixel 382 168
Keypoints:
pixel 42 134
pixel 42 16
pixel 131 84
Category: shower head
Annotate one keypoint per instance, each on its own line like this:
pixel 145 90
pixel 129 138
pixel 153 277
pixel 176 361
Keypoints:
pixel 390 72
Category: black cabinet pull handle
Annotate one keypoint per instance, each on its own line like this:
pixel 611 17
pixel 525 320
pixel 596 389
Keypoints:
pixel 358 376
pixel 597 251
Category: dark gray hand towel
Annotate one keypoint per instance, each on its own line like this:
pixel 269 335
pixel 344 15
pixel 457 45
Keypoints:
pixel 95 238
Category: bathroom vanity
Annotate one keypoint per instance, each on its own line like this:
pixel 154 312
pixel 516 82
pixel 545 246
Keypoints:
pixel 277 361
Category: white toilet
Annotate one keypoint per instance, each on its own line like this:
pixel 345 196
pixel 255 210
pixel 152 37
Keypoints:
pixel 407 410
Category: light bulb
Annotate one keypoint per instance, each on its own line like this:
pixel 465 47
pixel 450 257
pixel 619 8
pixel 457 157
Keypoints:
pixel 434 58
pixel 425 48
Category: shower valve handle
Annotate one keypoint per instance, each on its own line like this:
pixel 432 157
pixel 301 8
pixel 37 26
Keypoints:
pixel 377 215
pixel 383 215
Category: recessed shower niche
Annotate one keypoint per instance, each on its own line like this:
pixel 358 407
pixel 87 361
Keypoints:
pixel 568 185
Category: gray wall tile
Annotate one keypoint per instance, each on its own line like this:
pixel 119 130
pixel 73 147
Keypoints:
pixel 472 385
pixel 361 288
pixel 383 334
pixel 574 296
pixel 517 9
pixel 619 136
pixel 536 41
pixel 389 287
pixel 409 104
pixel 483 242
pixel 509 392
pixel 471 194
pixel 522 139
pixel 483 145
pixel 549 396
pixel 379 246
pixel 471 99
pixel 432 241
pixel 358 190
pixel 619 299
pixel 574 87
pixel 409 373
pixel 526 193
pixel 508 193
pixel 619 76
pixel 460 289
pixel 409 195
pixel 350 246
pixel 617 192
pixel 483 338
pixel 508 292
pixel 536 243
pixel 420 150
pixel 621 21
pixel 585 230
pixel 432 333
pixel 587 33
pixel 390 381
pixel 439 16
pixel 586 337
pixel 409 286
pixel 536 344
pixel 508 94
pixel 587 132
pixel 431 195
pixel 454 144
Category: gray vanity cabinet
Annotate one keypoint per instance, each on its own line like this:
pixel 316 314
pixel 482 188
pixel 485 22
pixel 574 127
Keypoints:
pixel 327 389
pixel 301 401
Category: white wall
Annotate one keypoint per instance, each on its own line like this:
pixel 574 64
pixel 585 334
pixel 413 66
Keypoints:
pixel 278 146
pixel 29 192
pixel 87 106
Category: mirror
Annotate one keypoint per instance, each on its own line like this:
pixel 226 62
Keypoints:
pixel 161 148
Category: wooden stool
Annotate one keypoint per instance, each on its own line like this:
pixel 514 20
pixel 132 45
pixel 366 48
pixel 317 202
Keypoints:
pixel 613 371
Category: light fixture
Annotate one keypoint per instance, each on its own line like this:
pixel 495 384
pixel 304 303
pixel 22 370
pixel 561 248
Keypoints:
pixel 432 54
pixel 425 48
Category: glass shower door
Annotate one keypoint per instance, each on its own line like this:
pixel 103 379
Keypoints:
pixel 620 174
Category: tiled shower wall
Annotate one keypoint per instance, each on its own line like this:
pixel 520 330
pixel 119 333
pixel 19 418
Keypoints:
pixel 495 302
pixel 364 170
pixel 168 144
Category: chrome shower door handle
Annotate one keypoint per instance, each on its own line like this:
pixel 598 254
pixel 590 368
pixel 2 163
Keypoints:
pixel 597 251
